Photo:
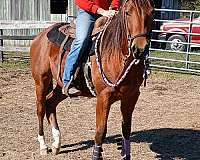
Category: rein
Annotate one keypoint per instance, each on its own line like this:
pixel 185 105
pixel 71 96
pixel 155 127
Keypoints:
pixel 135 60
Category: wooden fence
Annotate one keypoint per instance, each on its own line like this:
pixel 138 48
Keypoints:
pixel 18 25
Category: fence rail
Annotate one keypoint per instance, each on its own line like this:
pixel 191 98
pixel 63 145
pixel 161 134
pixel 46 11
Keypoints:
pixel 5 24
pixel 17 25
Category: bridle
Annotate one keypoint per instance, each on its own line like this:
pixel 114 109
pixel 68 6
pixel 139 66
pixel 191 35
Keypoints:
pixel 136 55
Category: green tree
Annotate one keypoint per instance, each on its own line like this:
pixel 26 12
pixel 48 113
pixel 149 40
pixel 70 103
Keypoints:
pixel 191 5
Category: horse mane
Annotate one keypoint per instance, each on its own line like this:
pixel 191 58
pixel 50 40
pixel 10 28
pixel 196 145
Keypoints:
pixel 115 34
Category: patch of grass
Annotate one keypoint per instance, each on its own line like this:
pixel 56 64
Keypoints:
pixel 16 56
pixel 169 55
pixel 165 74
pixel 168 74
pixel 195 58
pixel 22 65
pixel 174 56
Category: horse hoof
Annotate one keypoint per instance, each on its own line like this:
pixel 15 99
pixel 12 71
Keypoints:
pixel 44 152
pixel 97 158
pixel 126 158
pixel 55 151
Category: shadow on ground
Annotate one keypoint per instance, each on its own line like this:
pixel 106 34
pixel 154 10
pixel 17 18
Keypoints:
pixel 83 145
pixel 171 143
pixel 167 143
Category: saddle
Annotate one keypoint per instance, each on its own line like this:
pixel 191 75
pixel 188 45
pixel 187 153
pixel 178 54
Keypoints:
pixel 65 32
pixel 62 35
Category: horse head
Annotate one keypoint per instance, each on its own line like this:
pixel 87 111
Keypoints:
pixel 138 18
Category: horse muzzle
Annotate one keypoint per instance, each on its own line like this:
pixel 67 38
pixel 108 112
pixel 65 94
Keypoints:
pixel 140 53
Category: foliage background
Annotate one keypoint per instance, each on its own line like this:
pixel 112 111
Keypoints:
pixel 191 4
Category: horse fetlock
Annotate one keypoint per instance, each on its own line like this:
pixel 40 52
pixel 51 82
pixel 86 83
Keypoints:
pixel 55 150
pixel 126 157
pixel 126 148
pixel 56 144
pixel 43 145
pixel 97 157
pixel 97 153
pixel 44 151
pixel 57 140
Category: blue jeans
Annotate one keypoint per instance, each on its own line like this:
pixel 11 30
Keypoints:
pixel 84 26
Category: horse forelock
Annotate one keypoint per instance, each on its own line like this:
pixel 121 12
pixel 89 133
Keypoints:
pixel 146 5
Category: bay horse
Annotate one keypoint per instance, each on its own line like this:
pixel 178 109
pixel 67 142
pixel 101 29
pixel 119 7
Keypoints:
pixel 117 70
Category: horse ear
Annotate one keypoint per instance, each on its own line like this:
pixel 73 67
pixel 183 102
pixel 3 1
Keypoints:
pixel 122 2
pixel 152 3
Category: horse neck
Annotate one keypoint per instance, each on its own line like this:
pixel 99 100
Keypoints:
pixel 114 47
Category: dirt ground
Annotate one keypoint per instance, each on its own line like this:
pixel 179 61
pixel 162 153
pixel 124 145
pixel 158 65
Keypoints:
pixel 166 121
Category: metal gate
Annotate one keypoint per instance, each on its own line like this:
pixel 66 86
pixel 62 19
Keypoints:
pixel 176 44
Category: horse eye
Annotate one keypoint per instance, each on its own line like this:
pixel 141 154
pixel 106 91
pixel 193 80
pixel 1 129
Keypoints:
pixel 127 13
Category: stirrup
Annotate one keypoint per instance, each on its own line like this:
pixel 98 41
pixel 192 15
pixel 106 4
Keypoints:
pixel 65 89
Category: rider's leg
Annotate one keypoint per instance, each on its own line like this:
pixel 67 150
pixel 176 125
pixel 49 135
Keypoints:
pixel 84 26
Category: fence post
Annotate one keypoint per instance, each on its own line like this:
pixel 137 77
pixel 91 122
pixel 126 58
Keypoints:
pixel 71 11
pixel 1 44
pixel 187 58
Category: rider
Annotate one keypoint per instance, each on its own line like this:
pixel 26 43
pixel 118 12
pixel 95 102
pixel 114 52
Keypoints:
pixel 88 12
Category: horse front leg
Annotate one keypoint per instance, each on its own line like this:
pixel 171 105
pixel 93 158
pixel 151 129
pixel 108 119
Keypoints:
pixel 53 100
pixel 102 111
pixel 127 107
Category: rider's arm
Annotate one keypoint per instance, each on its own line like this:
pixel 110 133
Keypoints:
pixel 87 5
pixel 115 4
pixel 90 6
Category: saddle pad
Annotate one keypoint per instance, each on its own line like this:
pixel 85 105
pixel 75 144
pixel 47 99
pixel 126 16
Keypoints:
pixel 57 37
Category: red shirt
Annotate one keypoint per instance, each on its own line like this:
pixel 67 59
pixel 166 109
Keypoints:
pixel 93 5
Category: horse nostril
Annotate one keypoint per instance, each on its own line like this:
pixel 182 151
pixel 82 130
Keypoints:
pixel 133 48
pixel 146 49
pixel 141 50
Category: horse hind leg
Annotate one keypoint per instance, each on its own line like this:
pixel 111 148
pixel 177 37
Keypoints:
pixel 53 99
pixel 41 92
pixel 127 107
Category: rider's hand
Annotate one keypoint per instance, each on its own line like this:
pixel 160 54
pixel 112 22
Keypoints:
pixel 106 13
